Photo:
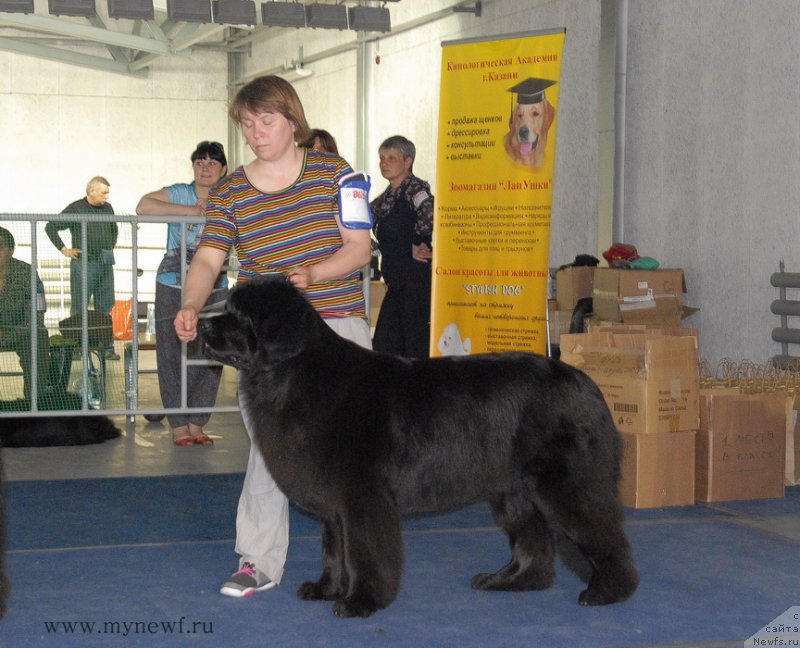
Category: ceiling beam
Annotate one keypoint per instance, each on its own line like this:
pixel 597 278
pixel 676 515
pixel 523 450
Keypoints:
pixel 117 53
pixel 71 29
pixel 65 56
pixel 193 33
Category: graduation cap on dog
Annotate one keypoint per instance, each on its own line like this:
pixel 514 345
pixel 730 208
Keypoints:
pixel 531 90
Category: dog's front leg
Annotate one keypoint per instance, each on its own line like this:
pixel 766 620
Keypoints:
pixel 332 584
pixel 373 554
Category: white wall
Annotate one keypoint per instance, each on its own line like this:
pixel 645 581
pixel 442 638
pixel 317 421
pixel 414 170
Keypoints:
pixel 63 124
pixel 712 158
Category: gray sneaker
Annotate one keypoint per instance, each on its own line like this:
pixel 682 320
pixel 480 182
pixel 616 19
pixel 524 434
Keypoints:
pixel 246 582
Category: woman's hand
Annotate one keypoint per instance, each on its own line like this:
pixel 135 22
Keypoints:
pixel 186 324
pixel 421 253
pixel 301 277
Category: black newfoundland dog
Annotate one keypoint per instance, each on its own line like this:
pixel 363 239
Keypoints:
pixel 361 439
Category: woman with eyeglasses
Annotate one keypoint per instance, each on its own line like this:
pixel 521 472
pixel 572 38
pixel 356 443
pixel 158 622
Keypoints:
pixel 209 166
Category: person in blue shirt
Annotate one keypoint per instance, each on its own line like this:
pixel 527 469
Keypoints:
pixel 209 166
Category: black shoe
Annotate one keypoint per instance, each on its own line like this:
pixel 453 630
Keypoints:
pixel 110 354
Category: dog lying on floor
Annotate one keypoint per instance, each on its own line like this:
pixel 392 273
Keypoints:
pixel 361 439
pixel 55 431
pixel 39 432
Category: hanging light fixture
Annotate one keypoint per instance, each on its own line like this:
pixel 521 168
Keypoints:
pixel 83 8
pixel 326 16
pixel 16 6
pixel 235 12
pixel 370 19
pixel 189 10
pixel 283 14
pixel 133 9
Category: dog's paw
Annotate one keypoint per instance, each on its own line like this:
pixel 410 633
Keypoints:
pixel 590 597
pixel 310 591
pixel 612 592
pixel 353 607
pixel 483 581
pixel 516 582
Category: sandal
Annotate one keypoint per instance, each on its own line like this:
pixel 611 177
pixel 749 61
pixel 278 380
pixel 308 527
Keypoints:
pixel 198 437
pixel 181 436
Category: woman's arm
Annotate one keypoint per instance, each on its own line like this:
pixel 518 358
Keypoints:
pixel 355 253
pixel 157 203
pixel 200 279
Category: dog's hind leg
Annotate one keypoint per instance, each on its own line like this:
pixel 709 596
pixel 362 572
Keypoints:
pixel 373 553
pixel 591 517
pixel 332 584
pixel 532 547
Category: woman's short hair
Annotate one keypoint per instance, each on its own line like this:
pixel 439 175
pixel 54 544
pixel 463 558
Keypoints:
pixel 271 94
pixel 325 139
pixel 402 144
pixel 7 238
pixel 211 151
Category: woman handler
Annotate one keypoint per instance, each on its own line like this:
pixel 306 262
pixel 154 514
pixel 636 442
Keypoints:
pixel 280 214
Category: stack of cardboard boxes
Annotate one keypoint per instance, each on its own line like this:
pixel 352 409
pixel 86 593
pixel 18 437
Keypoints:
pixel 650 381
pixel 572 283
pixel 680 443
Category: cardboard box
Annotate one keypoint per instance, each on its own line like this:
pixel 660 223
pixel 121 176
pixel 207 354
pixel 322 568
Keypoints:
pixel 741 446
pixel 650 382
pixel 559 321
pixel 377 291
pixel 658 469
pixel 639 296
pixel 573 283
pixel 619 328
pixel 792 473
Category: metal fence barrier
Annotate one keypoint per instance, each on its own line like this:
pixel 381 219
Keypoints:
pixel 58 359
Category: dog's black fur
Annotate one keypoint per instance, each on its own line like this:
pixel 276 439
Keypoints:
pixel 361 439
pixel 55 431
pixel 39 432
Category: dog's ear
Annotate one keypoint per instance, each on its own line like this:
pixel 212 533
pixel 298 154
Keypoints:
pixel 279 341
pixel 283 322
pixel 548 114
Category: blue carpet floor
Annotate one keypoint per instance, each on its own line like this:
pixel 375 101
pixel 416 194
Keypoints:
pixel 138 562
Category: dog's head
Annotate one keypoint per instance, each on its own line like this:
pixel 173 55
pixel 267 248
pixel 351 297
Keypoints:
pixel 451 344
pixel 528 128
pixel 266 321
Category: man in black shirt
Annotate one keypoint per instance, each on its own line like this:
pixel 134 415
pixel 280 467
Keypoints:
pixel 101 237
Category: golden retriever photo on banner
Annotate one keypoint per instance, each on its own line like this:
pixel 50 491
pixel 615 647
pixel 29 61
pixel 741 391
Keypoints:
pixel 531 117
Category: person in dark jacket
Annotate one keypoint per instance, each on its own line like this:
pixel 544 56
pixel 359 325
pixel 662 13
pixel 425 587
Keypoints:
pixel 101 237
pixel 15 314
pixel 403 227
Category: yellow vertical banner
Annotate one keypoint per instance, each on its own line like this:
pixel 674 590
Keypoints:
pixel 494 186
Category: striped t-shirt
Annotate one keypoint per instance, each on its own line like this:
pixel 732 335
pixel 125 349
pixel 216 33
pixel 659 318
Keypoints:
pixel 279 230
